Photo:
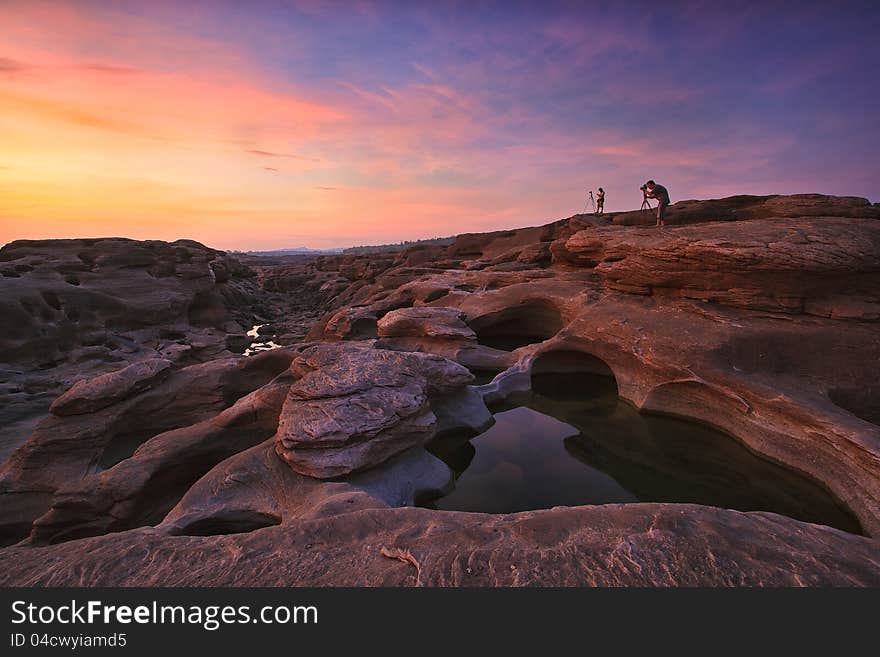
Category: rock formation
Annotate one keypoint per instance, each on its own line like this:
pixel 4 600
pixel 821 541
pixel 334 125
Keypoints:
pixel 353 408
pixel 136 443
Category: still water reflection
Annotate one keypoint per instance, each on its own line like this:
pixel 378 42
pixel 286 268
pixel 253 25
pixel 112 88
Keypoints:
pixel 572 441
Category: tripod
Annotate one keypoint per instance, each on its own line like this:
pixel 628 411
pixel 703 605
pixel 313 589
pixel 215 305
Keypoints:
pixel 590 202
pixel 646 204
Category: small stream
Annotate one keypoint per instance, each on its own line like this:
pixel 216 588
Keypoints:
pixel 259 342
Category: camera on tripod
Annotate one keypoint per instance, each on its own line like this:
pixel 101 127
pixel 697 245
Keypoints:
pixel 646 204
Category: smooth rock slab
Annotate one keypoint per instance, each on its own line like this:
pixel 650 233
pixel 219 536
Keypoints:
pixel 90 395
pixel 425 321
pixel 255 489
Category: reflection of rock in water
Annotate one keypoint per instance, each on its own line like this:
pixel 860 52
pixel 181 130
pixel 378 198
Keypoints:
pixel 483 376
pixel 572 441
pixel 662 459
pixel 520 463
pixel 455 449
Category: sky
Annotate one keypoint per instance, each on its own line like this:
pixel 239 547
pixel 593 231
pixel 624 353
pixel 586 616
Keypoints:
pixel 264 125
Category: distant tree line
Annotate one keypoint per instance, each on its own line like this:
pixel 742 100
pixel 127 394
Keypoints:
pixel 399 246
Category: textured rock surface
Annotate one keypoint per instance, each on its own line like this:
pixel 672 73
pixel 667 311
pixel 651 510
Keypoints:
pixel 89 395
pixel 427 322
pixel 187 465
pixel 631 545
pixel 76 309
pixel 820 265
pixel 355 407
pixel 745 207
pixel 69 450
pixel 255 488
pixel 58 293
pixel 351 324
pixel 142 489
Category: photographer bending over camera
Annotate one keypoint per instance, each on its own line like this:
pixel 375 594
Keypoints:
pixel 659 192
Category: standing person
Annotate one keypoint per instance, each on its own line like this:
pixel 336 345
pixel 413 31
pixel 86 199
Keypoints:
pixel 600 201
pixel 660 193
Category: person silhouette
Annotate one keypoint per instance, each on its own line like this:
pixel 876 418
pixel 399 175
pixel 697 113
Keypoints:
pixel 660 193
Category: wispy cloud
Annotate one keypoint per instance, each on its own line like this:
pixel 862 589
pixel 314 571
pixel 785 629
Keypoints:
pixel 290 156
pixel 8 65
pixel 436 119
pixel 113 69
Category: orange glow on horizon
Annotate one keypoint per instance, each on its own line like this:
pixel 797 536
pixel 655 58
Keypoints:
pixel 302 124
pixel 114 147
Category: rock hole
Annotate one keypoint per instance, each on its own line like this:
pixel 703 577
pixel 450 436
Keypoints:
pixel 363 328
pixel 570 374
pixel 87 259
pixel 51 299
pixel 433 295
pixel 228 522
pixel 518 326
pixel 864 403
pixel 572 441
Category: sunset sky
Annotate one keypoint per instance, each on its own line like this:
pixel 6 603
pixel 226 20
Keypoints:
pixel 279 124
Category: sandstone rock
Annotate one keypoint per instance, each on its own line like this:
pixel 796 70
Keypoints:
pixel 75 309
pixel 66 449
pixel 745 207
pixel 142 488
pixel 612 545
pixel 73 286
pixel 87 396
pixel 757 317
pixel 464 409
pixel 257 489
pixel 351 324
pixel 820 266
pixel 250 490
pixel 424 321
pixel 355 407
pixel 762 379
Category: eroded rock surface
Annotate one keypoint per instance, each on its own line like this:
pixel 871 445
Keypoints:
pixel 630 545
pixel 90 395
pixel 822 266
pixel 78 450
pixel 354 408
pixel 756 315
pixel 75 309
pixel 427 322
